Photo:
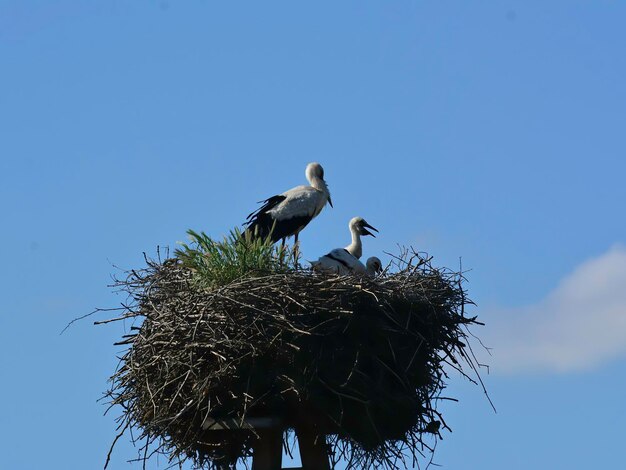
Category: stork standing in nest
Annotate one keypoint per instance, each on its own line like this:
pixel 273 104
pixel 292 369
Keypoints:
pixel 346 260
pixel 286 214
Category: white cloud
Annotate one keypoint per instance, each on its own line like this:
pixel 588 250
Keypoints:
pixel 579 325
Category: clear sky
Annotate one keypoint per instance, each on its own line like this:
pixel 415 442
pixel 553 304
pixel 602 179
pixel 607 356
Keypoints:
pixel 492 131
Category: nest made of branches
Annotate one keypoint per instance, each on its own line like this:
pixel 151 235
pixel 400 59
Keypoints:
pixel 363 360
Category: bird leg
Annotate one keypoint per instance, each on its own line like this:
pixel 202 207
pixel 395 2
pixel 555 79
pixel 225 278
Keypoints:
pixel 282 251
pixel 296 249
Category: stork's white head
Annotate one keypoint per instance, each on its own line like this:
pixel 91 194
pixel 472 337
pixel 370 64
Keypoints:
pixel 315 175
pixel 360 226
pixel 314 170
pixel 374 265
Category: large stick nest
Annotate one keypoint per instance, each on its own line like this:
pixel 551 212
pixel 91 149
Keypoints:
pixel 360 359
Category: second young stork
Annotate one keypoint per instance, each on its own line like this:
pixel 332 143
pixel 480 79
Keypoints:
pixel 286 214
pixel 346 260
pixel 373 266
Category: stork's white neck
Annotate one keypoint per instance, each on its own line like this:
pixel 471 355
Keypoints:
pixel 318 183
pixel 355 248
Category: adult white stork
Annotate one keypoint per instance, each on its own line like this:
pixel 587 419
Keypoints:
pixel 346 260
pixel 286 214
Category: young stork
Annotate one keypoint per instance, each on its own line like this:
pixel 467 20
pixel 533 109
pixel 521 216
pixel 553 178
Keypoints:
pixel 373 266
pixel 286 214
pixel 346 260
pixel 348 264
pixel 358 226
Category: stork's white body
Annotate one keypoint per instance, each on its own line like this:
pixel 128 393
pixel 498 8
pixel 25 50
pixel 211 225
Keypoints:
pixel 307 201
pixel 286 214
pixel 339 261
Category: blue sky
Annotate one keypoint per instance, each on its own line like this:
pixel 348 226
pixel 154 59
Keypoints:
pixel 487 130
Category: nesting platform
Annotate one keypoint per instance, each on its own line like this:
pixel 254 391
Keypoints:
pixel 356 366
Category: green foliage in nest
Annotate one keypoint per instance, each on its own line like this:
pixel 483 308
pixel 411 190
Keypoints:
pixel 219 262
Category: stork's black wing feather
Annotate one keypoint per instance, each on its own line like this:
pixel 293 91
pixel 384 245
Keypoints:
pixel 268 205
pixel 259 223
pixel 339 260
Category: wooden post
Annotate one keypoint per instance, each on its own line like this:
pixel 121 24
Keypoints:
pixel 267 452
pixel 313 449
